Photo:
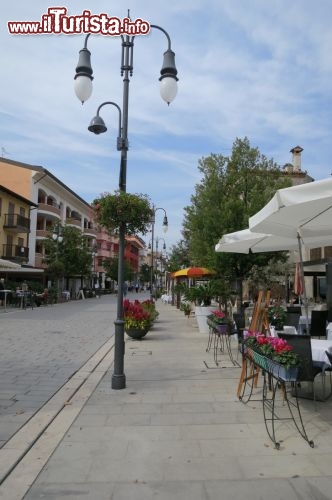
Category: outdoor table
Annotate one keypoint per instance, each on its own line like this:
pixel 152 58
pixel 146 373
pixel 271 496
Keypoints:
pixel 318 348
pixel 303 324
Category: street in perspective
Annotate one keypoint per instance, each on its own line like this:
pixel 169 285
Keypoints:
pixel 178 430
pixel 42 348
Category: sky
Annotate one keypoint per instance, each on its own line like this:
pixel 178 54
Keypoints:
pixel 257 69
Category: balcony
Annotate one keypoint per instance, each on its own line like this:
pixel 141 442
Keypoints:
pixel 70 221
pixel 43 233
pixel 49 209
pixel 15 253
pixel 39 261
pixel 16 223
pixel 90 231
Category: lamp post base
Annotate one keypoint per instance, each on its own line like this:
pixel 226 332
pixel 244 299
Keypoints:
pixel 118 381
pixel 118 377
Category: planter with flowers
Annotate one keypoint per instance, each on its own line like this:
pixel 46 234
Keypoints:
pixel 272 355
pixel 138 317
pixel 217 319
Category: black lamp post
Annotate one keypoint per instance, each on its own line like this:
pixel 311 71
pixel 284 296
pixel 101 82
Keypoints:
pixel 58 238
pixel 83 89
pixel 165 227
pixel 156 254
pixel 94 254
pixel 160 258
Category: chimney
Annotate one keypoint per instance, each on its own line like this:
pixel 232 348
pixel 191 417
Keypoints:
pixel 297 158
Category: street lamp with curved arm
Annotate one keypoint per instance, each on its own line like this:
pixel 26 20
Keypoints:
pixel 168 79
pixel 83 89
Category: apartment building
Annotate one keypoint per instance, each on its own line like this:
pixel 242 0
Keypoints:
pixel 52 201
pixel 14 226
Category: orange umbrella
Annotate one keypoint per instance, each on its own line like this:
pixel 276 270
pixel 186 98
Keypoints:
pixel 193 272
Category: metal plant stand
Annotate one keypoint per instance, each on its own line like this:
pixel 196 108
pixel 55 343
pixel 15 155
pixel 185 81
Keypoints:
pixel 289 409
pixel 279 396
pixel 221 336
pixel 248 380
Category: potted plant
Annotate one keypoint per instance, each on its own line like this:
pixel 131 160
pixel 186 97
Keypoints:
pixel 202 296
pixel 138 318
pixel 277 317
pixel 133 210
pixel 186 308
pixel 217 318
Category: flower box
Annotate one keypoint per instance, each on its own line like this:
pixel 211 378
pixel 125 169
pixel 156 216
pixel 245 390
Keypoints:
pixel 219 322
pixel 281 372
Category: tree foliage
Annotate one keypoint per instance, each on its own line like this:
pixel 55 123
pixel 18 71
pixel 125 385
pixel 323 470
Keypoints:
pixel 179 256
pixel 111 268
pixel 71 257
pixel 144 275
pixel 231 190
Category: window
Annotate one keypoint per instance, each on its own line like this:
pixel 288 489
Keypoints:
pixel 328 252
pixel 315 254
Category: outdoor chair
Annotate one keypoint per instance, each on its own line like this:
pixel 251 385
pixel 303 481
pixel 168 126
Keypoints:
pixel 301 345
pixel 292 319
pixel 318 324
pixel 294 309
pixel 240 323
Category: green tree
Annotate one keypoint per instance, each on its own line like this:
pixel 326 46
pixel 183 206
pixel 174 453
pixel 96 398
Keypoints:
pixel 70 258
pixel 111 268
pixel 231 190
pixel 179 256
pixel 145 273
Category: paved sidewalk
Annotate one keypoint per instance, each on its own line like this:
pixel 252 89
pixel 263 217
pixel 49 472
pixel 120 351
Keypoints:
pixel 178 432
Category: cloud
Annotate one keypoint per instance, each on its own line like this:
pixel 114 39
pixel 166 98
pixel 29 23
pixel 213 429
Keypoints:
pixel 263 72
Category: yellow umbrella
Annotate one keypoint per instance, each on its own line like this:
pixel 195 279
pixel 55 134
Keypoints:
pixel 193 272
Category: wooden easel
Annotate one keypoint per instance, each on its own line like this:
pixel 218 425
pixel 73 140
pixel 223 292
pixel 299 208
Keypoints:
pixel 259 323
pixel 260 320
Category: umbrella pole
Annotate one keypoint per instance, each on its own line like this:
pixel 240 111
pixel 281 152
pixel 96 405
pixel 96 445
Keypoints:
pixel 305 300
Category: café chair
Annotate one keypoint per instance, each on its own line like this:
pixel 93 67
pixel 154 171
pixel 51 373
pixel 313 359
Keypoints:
pixel 240 323
pixel 318 324
pixel 292 319
pixel 294 309
pixel 308 370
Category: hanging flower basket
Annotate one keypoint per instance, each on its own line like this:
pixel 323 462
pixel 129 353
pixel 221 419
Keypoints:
pixel 133 210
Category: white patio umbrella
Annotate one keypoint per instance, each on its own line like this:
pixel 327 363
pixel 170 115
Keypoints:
pixel 304 210
pixel 7 264
pixel 246 241
pixel 302 213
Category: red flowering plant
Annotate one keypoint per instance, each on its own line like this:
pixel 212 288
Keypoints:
pixel 135 315
pixel 150 306
pixel 272 347
pixel 218 317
